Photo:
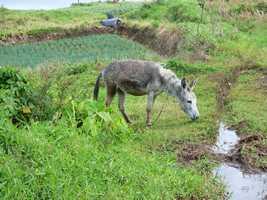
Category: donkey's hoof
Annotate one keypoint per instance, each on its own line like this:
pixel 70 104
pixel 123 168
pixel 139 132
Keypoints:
pixel 149 124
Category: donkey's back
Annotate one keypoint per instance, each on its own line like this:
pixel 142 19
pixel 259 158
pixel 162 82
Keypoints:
pixel 135 77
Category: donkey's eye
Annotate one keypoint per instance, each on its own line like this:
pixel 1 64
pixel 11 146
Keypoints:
pixel 189 101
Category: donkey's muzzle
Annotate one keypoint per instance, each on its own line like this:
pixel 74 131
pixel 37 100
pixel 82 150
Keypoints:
pixel 195 117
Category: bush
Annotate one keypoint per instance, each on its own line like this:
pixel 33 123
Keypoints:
pixel 94 119
pixel 19 101
pixel 182 68
pixel 15 95
pixel 183 12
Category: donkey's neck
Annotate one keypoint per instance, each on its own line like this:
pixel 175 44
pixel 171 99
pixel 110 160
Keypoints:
pixel 172 85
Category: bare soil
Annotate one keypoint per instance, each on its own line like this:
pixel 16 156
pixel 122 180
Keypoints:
pixel 191 152
pixel 161 40
pixel 262 82
pixel 249 150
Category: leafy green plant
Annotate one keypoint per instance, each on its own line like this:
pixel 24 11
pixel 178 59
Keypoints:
pixel 183 68
pixel 19 100
pixel 15 94
pixel 73 50
pixel 181 11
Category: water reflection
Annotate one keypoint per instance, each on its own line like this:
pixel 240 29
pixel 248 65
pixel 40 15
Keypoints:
pixel 242 185
pixel 226 140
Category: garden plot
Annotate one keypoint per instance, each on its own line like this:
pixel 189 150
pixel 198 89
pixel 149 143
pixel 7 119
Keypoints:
pixel 92 48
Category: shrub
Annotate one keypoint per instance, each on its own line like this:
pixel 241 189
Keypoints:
pixel 183 68
pixel 19 101
pixel 92 118
pixel 15 94
pixel 183 11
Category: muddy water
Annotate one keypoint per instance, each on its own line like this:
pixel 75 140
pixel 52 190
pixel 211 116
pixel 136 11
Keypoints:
pixel 226 140
pixel 240 185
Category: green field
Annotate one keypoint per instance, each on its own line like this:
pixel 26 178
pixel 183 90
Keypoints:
pixel 73 50
pixel 57 143
pixel 33 22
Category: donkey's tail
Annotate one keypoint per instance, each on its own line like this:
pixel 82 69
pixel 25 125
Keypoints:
pixel 97 84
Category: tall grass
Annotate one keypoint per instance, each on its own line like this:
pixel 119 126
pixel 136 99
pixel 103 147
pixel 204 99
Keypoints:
pixel 87 151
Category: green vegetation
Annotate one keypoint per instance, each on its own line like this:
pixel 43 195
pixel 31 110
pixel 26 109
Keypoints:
pixel 247 102
pixel 22 22
pixel 56 143
pixel 72 50
pixel 90 150
pixel 246 107
pixel 216 34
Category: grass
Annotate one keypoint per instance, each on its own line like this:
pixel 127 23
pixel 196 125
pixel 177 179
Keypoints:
pixel 218 35
pixel 105 47
pixel 68 164
pixel 103 159
pixel 79 149
pixel 21 22
pixel 247 102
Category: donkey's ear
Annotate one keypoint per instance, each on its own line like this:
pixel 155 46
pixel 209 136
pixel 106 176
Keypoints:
pixel 193 84
pixel 183 83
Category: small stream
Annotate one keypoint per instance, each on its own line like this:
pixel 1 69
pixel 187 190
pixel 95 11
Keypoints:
pixel 241 185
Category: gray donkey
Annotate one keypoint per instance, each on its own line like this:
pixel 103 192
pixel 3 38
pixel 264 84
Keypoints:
pixel 137 77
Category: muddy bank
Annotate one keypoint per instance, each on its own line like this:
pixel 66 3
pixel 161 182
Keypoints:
pixel 243 179
pixel 53 34
pixel 262 82
pixel 246 153
pixel 164 41
pixel 245 150
pixel 251 151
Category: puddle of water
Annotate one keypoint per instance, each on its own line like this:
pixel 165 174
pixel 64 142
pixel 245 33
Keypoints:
pixel 242 186
pixel 239 184
pixel 226 140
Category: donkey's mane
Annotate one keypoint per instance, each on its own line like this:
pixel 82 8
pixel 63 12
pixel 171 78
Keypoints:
pixel 172 83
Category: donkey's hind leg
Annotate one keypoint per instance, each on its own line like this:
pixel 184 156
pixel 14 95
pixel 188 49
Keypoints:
pixel 150 101
pixel 121 95
pixel 111 91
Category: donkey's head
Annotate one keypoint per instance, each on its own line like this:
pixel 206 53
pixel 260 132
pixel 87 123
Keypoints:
pixel 188 99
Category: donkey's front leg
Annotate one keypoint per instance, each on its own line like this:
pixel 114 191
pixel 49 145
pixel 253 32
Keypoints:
pixel 150 101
